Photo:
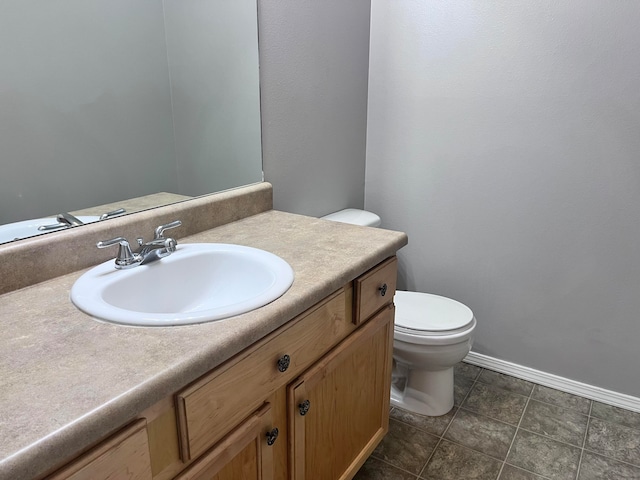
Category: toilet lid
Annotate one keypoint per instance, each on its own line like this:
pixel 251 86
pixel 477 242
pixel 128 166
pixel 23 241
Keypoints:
pixel 432 314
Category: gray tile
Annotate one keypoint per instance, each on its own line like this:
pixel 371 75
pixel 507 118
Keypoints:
pixel 466 370
pixel 595 467
pixel 374 469
pixel 544 456
pixel 615 441
pixel 406 447
pixel 561 399
pixel 435 425
pixel 454 462
pixel 506 382
pixel 495 403
pixel 481 433
pixel 509 472
pixel 461 386
pixel 616 415
pixel 558 423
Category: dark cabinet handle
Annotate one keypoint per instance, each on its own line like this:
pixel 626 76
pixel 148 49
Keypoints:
pixel 283 363
pixel 272 436
pixel 383 289
pixel 304 407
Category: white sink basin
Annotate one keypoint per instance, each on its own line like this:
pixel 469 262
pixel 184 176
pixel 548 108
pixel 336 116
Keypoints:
pixel 29 228
pixel 198 283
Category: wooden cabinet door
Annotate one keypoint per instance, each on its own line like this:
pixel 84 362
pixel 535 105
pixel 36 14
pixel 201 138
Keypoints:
pixel 339 409
pixel 245 454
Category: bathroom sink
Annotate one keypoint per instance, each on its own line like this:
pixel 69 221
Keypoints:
pixel 199 282
pixel 29 228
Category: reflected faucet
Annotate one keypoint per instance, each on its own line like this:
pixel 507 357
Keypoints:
pixel 65 220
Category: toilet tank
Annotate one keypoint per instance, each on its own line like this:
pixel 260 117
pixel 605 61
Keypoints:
pixel 355 217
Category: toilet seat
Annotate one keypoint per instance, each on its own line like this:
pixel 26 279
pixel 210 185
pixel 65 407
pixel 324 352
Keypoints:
pixel 424 318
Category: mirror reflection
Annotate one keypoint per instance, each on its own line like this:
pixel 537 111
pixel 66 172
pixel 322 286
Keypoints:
pixel 108 105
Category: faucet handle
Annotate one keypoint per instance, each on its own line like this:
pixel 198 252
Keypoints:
pixel 68 219
pixel 159 232
pixel 112 213
pixel 126 258
pixel 170 246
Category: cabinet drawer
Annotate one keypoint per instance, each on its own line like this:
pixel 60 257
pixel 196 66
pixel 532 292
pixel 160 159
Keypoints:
pixel 208 409
pixel 125 455
pixel 374 289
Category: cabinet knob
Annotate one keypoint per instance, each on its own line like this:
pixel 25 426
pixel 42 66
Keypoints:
pixel 283 363
pixel 272 435
pixel 383 289
pixel 304 407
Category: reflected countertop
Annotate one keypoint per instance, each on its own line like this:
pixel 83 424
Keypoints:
pixel 133 205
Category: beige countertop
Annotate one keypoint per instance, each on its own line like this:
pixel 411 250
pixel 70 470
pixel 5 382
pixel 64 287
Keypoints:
pixel 67 380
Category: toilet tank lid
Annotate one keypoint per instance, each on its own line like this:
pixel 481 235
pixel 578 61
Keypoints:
pixel 355 216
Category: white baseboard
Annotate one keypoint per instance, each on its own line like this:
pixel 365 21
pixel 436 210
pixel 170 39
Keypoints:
pixel 554 381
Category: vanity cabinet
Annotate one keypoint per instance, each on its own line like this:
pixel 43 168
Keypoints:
pixel 310 401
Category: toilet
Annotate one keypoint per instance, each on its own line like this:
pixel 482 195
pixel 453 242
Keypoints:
pixel 431 335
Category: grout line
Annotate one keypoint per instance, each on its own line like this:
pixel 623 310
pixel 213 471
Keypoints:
pixel 584 439
pixel 528 471
pixel 441 437
pixel 572 445
pixel 564 407
pixel 484 415
pixel 493 385
pixel 394 466
pixel 600 454
pixel 430 456
pixel 515 434
pixel 467 447
pixel 475 380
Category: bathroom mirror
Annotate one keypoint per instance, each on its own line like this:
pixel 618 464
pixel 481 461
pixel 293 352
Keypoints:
pixel 108 104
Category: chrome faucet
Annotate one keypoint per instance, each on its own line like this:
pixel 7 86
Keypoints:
pixel 65 220
pixel 158 247
pixel 149 252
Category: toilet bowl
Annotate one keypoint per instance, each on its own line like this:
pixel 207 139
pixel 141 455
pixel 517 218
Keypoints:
pixel 431 334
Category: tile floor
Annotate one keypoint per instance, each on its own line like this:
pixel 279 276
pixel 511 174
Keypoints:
pixel 505 428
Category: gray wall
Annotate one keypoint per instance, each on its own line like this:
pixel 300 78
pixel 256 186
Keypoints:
pixel 503 137
pixel 313 80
